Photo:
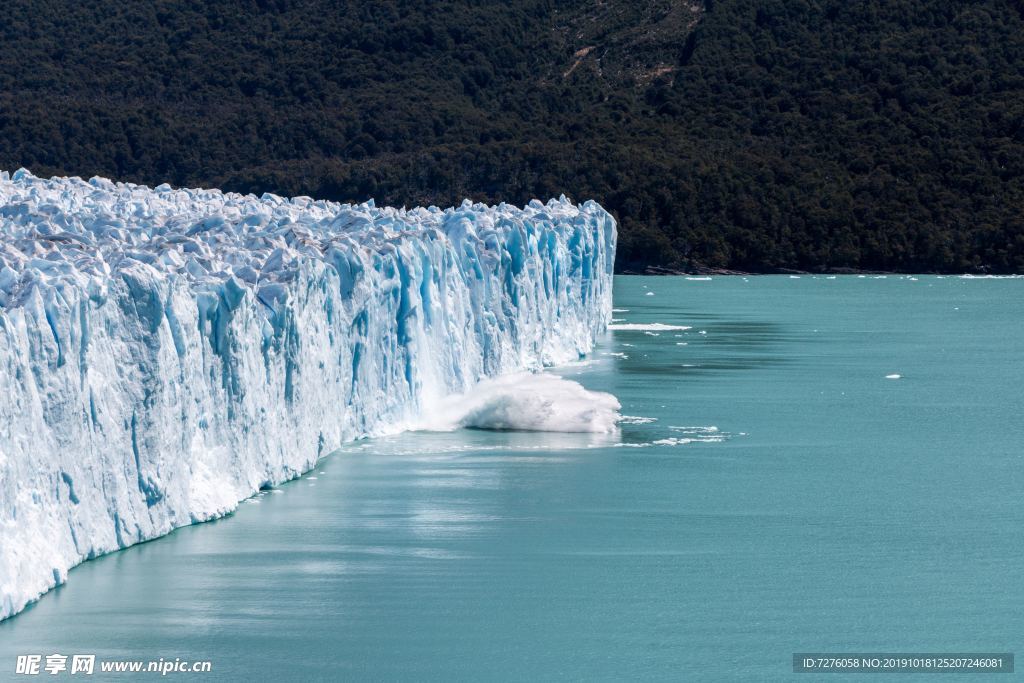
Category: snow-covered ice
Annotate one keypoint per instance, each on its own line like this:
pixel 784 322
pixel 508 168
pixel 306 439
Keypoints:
pixel 166 353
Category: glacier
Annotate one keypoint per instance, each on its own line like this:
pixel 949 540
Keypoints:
pixel 166 353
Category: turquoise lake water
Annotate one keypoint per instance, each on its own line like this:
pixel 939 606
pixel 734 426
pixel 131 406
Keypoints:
pixel 798 501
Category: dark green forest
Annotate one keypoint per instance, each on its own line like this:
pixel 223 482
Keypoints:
pixel 757 136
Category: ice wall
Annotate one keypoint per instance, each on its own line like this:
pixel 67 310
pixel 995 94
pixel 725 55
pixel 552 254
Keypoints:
pixel 165 353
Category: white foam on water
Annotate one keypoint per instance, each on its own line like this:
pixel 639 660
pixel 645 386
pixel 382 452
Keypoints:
pixel 574 364
pixel 524 401
pixel 620 310
pixel 688 435
pixel 699 279
pixel 647 327
pixel 637 420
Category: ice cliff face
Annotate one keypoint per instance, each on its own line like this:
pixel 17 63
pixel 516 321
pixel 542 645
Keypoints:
pixel 165 353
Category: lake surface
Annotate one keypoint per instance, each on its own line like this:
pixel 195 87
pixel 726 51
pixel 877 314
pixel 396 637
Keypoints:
pixel 782 495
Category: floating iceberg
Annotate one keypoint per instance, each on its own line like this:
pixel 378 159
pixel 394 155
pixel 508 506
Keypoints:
pixel 166 353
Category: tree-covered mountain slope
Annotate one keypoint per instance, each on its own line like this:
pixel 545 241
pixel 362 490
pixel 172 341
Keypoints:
pixel 807 134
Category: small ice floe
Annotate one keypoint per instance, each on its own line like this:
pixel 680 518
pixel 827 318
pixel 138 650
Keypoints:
pixel 310 478
pixel 620 310
pixel 794 277
pixel 894 376
pixel 618 320
pixel 682 343
pixel 831 277
pixel 615 354
pixel 652 334
pixel 703 332
pixel 650 293
pixel 647 327
pixel 699 279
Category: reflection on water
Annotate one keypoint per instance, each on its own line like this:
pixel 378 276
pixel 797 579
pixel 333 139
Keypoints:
pixel 769 492
pixel 439 444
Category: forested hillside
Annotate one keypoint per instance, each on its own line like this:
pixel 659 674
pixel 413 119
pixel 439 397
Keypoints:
pixel 754 135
